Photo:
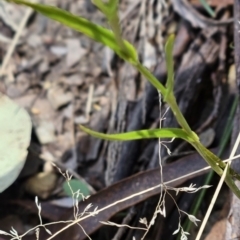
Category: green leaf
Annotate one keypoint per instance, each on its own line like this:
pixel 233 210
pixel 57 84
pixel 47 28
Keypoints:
pixel 208 8
pixel 75 186
pixel 94 31
pixel 170 69
pixel 141 134
pixel 15 129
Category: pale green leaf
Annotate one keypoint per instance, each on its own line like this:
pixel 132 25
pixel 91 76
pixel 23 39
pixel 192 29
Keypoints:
pixel 15 129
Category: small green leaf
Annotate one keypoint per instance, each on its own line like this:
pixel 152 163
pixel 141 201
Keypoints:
pixel 208 8
pixel 94 31
pixel 141 134
pixel 170 69
pixel 75 186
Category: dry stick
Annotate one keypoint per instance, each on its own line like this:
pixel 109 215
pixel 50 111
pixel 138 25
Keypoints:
pixel 218 189
pixel 134 195
pixel 89 101
pixel 14 41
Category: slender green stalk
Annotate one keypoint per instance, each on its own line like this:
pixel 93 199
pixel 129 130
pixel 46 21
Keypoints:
pixel 171 100
pixel 154 81
pixel 214 161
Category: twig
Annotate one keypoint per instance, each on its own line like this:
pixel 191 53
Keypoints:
pixel 14 41
pixel 89 101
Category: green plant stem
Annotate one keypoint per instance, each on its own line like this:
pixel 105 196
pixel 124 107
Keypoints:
pixel 218 166
pixel 114 24
pixel 148 75
pixel 224 139
pixel 214 161
pixel 171 100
